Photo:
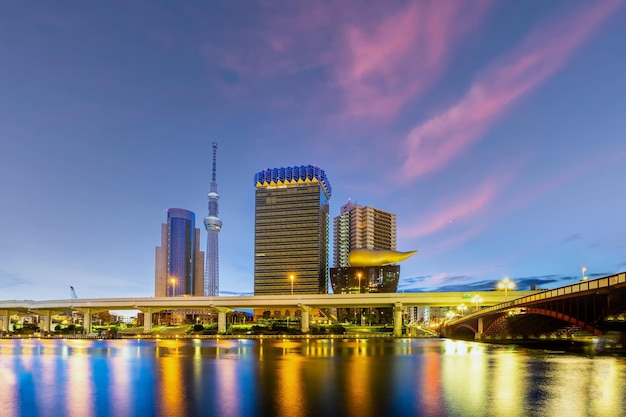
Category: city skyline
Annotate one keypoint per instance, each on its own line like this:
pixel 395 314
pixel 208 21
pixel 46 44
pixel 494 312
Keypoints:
pixel 493 130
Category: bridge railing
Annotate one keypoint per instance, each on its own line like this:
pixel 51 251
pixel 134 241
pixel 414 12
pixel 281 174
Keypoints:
pixel 557 292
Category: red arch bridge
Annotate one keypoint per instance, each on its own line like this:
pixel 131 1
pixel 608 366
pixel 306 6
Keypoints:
pixel 595 306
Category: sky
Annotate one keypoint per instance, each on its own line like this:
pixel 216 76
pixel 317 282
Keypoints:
pixel 494 130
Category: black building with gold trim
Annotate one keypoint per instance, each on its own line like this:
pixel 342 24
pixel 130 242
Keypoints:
pixel 291 229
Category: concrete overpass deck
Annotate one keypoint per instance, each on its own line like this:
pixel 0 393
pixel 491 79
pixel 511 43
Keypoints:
pixel 432 299
pixel 304 302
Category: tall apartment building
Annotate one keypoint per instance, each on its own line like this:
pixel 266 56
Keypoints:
pixel 179 267
pixel 362 228
pixel 359 227
pixel 291 228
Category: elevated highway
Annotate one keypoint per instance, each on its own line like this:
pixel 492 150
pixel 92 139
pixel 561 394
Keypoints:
pixel 149 305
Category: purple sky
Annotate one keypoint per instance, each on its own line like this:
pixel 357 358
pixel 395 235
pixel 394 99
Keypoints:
pixel 495 130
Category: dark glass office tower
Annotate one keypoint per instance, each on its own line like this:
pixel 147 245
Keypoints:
pixel 179 265
pixel 291 231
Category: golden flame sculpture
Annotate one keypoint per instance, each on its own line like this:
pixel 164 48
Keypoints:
pixel 370 257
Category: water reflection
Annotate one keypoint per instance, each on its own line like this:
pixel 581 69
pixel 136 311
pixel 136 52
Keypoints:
pixel 428 387
pixel 289 394
pixel 508 386
pixel 228 389
pixel 79 386
pixel 313 377
pixel 120 383
pixel 358 398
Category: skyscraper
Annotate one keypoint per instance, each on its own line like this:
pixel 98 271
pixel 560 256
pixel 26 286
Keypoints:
pixel 179 269
pixel 213 225
pixel 359 227
pixel 291 231
pixel 366 227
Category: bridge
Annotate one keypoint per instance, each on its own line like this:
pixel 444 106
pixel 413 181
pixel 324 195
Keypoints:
pixel 596 306
pixel 304 302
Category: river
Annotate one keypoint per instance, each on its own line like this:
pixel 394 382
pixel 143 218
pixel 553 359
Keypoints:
pixel 302 377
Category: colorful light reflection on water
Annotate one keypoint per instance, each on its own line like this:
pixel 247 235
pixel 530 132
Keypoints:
pixel 304 377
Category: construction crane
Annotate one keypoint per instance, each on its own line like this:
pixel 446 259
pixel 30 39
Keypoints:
pixel 72 292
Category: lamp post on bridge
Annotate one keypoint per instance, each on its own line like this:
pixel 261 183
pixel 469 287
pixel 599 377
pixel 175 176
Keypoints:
pixel 506 284
pixel 291 277
pixel 477 299
pixel 359 277
pixel 584 269
pixel 450 315
pixel 462 309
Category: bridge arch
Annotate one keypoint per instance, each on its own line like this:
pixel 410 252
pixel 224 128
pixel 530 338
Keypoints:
pixel 495 322
pixel 462 326
pixel 566 318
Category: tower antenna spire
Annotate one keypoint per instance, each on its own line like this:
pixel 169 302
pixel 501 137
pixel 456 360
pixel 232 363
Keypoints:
pixel 214 176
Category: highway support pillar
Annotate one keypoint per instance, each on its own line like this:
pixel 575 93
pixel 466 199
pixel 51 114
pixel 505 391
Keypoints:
pixel 5 317
pixel 46 318
pixel 479 329
pixel 397 319
pixel 87 321
pixel 147 320
pixel 221 319
pixel 304 319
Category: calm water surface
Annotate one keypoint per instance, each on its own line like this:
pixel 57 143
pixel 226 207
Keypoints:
pixel 308 377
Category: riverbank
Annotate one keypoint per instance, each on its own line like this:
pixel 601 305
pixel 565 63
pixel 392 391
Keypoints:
pixel 589 346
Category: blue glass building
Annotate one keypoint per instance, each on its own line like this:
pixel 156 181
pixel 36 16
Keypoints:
pixel 179 267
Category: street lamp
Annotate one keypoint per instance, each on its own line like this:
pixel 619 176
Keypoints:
pixel 173 281
pixel 291 278
pixel 359 277
pixel 506 284
pixel 462 309
pixel 584 269
pixel 477 299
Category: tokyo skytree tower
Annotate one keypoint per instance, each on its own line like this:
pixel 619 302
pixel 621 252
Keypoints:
pixel 213 224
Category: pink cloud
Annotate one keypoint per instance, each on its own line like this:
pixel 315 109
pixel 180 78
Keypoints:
pixel 396 58
pixel 444 218
pixel 284 39
pixel 454 241
pixel 372 57
pixel 434 143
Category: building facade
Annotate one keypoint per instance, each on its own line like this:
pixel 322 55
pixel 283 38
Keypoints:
pixel 179 267
pixel 365 279
pixel 359 227
pixel 291 228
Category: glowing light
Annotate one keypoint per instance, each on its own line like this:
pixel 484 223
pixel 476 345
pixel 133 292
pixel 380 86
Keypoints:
pixel 477 300
pixel 367 257
pixel 506 284
pixel 173 282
